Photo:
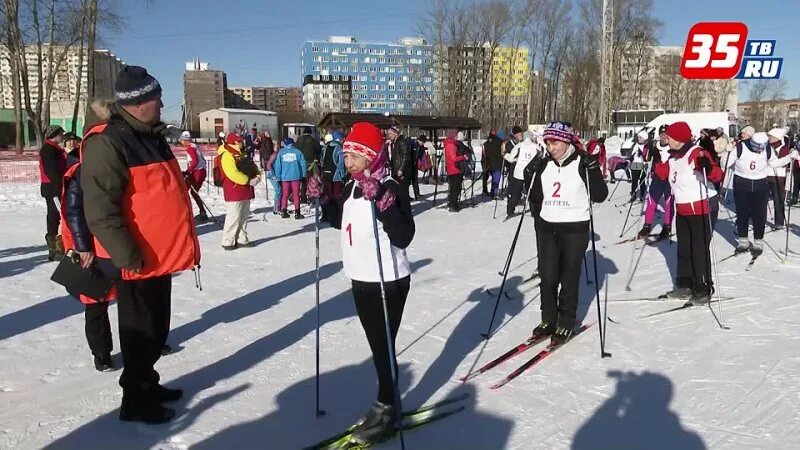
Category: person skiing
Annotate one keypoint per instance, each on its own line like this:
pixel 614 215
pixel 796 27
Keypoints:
pixel 52 166
pixel 290 168
pixel 687 171
pixel 659 189
pixel 637 166
pixel 564 182
pixel 519 157
pixel 455 177
pixel 753 160
pixel 195 173
pixel 373 190
pixel 240 176
pixel 777 178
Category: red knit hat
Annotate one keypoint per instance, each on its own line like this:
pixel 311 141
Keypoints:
pixel 364 139
pixel 232 138
pixel 680 131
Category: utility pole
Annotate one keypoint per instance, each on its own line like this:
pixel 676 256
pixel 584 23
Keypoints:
pixel 607 70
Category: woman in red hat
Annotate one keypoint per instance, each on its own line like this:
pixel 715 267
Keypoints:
pixel 366 162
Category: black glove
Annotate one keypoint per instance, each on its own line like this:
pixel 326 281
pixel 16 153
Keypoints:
pixel 703 163
pixel 535 166
pixel 588 162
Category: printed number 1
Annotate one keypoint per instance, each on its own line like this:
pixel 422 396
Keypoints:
pixel 349 230
pixel 557 186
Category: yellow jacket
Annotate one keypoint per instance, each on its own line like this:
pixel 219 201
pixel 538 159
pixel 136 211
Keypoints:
pixel 228 162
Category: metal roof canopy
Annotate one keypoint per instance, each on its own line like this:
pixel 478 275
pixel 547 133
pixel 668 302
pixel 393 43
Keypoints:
pixel 346 120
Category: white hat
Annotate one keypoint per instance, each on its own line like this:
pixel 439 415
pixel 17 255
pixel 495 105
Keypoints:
pixel 643 134
pixel 460 136
pixel 759 139
pixel 778 133
pixel 748 130
pixel 222 134
pixel 328 138
pixel 529 135
pixel 186 136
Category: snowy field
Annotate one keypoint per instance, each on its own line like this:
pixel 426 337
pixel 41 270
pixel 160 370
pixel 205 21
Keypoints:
pixel 246 345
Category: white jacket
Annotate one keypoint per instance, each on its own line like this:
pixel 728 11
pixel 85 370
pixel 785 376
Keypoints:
pixel 522 154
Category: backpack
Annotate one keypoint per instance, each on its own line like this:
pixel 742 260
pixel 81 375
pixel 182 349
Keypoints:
pixel 741 145
pixel 217 171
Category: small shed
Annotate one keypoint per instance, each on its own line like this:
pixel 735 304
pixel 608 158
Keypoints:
pixel 214 121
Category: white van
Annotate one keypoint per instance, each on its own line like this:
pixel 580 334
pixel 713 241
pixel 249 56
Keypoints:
pixel 696 121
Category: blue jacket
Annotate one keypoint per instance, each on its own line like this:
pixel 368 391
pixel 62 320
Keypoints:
pixel 338 160
pixel 76 219
pixel 290 165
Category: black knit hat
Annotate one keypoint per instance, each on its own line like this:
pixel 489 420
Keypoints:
pixel 516 129
pixel 53 131
pixel 135 86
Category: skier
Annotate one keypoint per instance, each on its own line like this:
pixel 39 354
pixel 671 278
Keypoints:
pixel 597 148
pixel 753 160
pixel 290 168
pixel 366 162
pixel 659 189
pixel 685 171
pixel 333 164
pixel 637 166
pixel 492 162
pixel 564 183
pixel 240 176
pixel 52 166
pixel 521 155
pixel 266 149
pixel 195 173
pixel 777 179
pixel 455 177
pixel 251 143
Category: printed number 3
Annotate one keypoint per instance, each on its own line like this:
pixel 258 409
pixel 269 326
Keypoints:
pixel 557 186
pixel 674 177
pixel 349 230
pixel 752 165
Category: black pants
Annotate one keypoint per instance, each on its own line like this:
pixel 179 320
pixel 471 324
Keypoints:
pixel 53 217
pixel 486 175
pixel 637 184
pixel 370 312
pixel 454 182
pixel 515 188
pixel 413 180
pixel 560 263
pixel 751 206
pixel 98 328
pixel 778 190
pixel 795 182
pixel 144 313
pixel 694 258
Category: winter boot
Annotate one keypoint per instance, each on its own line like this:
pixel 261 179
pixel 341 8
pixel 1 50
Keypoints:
pixel 743 245
pixel 645 231
pixel 758 247
pixel 544 329
pixel 55 249
pixel 164 394
pixel 201 218
pixel 561 336
pixel 138 407
pixel 665 233
pixel 679 293
pixel 103 362
pixel 167 349
pixel 701 295
pixel 59 247
pixel 380 422
pixel 297 215
pixel 285 214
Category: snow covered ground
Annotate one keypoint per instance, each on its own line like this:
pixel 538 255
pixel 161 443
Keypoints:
pixel 246 358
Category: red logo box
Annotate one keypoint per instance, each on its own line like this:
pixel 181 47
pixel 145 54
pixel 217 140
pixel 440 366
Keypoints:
pixel 714 50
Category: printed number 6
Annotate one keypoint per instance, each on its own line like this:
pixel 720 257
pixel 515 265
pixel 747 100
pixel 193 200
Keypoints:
pixel 702 49
pixel 557 185
pixel 752 165
pixel 349 230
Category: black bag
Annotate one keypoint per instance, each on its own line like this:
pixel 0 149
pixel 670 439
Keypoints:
pixel 247 167
pixel 89 282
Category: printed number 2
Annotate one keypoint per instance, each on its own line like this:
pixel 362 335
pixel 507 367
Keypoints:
pixel 349 230
pixel 752 165
pixel 557 186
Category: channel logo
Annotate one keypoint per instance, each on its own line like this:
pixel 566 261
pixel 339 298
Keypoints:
pixel 721 51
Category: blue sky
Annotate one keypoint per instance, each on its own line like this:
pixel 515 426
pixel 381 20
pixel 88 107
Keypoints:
pixel 257 42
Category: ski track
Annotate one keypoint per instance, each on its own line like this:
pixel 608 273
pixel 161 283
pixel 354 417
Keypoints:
pixel 245 345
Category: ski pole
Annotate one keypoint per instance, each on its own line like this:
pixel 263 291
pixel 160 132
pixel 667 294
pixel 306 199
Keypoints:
pixel 266 198
pixel 712 254
pixel 436 179
pixel 206 206
pixel 788 225
pixel 586 270
pixel 499 188
pixel 488 333
pixel 601 326
pixel 389 340
pixel 320 412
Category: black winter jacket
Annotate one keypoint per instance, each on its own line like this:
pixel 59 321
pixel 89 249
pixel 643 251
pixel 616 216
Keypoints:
pixel 494 154
pixel 309 147
pixel 401 157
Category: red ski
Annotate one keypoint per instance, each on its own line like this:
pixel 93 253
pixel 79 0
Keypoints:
pixel 530 342
pixel 537 359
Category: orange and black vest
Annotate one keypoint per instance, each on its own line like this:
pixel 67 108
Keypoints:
pixel 156 203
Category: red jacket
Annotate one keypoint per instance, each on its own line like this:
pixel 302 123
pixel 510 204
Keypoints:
pixel 232 191
pixel 714 175
pixel 451 156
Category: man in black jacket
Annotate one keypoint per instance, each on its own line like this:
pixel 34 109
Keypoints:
pixel 311 149
pixel 399 156
pixel 52 166
pixel 492 163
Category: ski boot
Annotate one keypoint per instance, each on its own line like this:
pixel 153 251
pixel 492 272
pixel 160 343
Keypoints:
pixel 561 336
pixel 743 245
pixel 645 231
pixel 229 247
pixel 701 296
pixel 201 218
pixel 665 233
pixel 758 247
pixel 679 293
pixel 544 329
pixel 285 214
pixel 103 362
pixel 379 423
pixel 297 215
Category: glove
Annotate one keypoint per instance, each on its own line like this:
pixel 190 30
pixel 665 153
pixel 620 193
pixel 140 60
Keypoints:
pixel 254 181
pixel 702 163
pixel 386 201
pixel 588 163
pixel 370 188
pixel 314 188
pixel 535 166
